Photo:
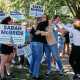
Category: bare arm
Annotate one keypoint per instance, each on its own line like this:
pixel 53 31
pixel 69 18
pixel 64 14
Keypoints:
pixel 10 45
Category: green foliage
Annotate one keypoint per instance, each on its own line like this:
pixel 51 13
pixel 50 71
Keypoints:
pixel 67 9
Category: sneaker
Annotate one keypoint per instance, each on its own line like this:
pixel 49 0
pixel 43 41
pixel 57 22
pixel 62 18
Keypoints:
pixel 20 65
pixel 78 76
pixel 57 68
pixel 13 61
pixel 43 59
pixel 61 73
pixel 3 78
pixel 47 74
pixel 75 76
pixel 53 65
pixel 11 75
pixel 35 78
pixel 30 73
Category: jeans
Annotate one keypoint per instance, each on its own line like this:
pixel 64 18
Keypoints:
pixel 54 51
pixel 37 53
pixel 48 55
pixel 22 60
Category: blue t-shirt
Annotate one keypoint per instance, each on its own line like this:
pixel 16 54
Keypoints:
pixel 27 34
pixel 55 32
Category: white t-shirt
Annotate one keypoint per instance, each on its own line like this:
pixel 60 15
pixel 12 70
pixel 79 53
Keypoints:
pixel 76 35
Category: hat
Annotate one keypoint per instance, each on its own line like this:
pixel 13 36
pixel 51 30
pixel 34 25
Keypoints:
pixel 15 20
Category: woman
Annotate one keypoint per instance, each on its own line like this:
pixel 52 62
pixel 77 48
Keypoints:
pixel 50 47
pixel 15 22
pixel 27 40
pixel 30 25
pixel 37 49
pixel 74 58
pixel 6 52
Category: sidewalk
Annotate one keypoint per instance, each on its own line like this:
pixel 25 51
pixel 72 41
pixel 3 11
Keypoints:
pixel 66 66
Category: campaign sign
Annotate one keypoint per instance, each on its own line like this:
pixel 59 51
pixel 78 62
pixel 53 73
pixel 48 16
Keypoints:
pixel 71 37
pixel 28 52
pixel 23 49
pixel 16 15
pixel 2 15
pixel 20 49
pixel 12 33
pixel 36 10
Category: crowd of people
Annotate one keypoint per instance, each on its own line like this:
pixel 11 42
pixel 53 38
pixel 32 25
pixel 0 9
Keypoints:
pixel 43 39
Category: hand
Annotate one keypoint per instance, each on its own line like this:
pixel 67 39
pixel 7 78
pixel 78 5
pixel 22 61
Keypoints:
pixel 38 32
pixel 12 44
pixel 28 41
pixel 50 21
pixel 62 31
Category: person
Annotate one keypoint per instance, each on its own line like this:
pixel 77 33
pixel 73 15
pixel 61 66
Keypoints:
pixel 74 58
pixel 6 52
pixel 56 29
pixel 30 25
pixel 27 41
pixel 15 22
pixel 50 47
pixel 37 49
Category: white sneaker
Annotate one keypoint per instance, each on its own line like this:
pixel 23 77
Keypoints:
pixel 20 65
pixel 53 65
pixel 13 61
pixel 57 68
pixel 43 59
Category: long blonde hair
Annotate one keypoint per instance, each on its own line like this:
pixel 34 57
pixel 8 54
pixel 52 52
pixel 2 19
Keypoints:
pixel 38 21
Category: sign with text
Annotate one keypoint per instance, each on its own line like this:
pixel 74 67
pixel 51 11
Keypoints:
pixel 71 38
pixel 12 33
pixel 36 10
pixel 16 15
pixel 2 15
pixel 24 50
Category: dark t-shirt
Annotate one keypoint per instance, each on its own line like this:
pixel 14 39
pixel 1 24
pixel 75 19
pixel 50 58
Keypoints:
pixel 67 37
pixel 39 38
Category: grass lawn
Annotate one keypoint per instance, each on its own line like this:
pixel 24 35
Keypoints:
pixel 23 74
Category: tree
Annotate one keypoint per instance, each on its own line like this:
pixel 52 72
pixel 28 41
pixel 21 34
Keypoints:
pixel 5 5
pixel 67 9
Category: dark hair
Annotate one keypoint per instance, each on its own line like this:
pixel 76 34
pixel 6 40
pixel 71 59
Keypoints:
pixel 46 16
pixel 55 17
pixel 5 21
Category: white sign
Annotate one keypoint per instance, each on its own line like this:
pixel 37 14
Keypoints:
pixel 20 50
pixel 2 15
pixel 28 52
pixel 16 15
pixel 36 10
pixel 12 33
pixel 24 50
pixel 71 37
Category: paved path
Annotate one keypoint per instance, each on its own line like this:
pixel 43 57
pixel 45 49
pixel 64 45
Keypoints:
pixel 66 66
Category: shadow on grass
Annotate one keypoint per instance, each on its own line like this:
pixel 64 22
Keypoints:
pixel 23 73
